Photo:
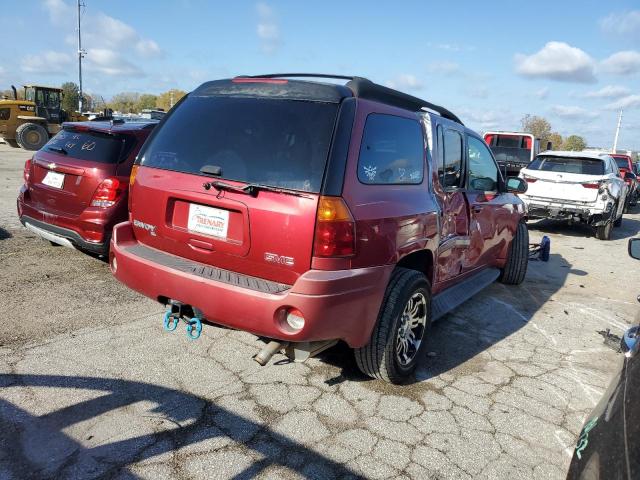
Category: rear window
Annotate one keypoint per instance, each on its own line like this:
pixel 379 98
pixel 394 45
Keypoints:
pixel 622 162
pixel 583 166
pixel 92 146
pixel 281 143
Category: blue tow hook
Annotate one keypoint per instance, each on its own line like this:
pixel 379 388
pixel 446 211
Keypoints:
pixel 171 321
pixel 194 328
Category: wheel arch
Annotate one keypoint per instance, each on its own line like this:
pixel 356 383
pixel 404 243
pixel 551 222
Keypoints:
pixel 421 261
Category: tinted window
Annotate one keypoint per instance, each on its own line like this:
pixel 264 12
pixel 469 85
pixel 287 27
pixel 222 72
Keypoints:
pixel 450 171
pixel 622 162
pixel 282 143
pixel 483 172
pixel 583 166
pixel 392 151
pixel 92 146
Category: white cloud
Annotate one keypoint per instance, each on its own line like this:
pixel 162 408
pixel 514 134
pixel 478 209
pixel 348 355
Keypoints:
pixel 148 48
pixel 630 101
pixel 542 93
pixel 610 91
pixel 267 29
pixel 622 63
pixel 60 13
pixel 484 120
pixel 109 62
pixel 405 81
pixel 572 112
pixel 48 62
pixel 557 61
pixel 451 47
pixel 626 23
pixel 477 91
pixel 443 68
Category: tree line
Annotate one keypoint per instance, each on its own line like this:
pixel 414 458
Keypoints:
pixel 541 128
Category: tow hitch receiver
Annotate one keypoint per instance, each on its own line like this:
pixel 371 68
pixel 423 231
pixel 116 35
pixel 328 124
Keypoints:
pixel 175 314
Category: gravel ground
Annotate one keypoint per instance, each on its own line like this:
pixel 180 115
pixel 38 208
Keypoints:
pixel 91 386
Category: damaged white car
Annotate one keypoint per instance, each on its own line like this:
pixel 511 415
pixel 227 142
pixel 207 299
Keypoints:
pixel 576 186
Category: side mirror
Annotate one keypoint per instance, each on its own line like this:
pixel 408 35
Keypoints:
pixel 517 185
pixel 634 248
pixel 629 176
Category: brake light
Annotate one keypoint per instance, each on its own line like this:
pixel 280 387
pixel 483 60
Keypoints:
pixel 132 177
pixel 591 185
pixel 27 170
pixel 107 193
pixel 335 229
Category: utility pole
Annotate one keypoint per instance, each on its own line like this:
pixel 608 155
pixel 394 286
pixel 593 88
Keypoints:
pixel 171 99
pixel 81 54
pixel 615 140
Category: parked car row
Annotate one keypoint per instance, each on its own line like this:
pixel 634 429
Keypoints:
pixel 303 212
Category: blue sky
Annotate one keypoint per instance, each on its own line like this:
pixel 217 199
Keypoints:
pixel 574 62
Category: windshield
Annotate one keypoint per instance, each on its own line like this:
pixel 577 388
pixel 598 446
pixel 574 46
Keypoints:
pixel 582 166
pixel 93 146
pixel 281 143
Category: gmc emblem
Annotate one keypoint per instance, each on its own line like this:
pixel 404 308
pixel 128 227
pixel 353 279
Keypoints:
pixel 281 259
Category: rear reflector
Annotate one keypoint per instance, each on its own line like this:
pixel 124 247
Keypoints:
pixel 591 185
pixel 335 229
pixel 27 169
pixel 107 193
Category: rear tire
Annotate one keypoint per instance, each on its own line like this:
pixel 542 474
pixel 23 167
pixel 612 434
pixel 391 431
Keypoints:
pixel 31 136
pixel 515 269
pixel 393 352
pixel 618 222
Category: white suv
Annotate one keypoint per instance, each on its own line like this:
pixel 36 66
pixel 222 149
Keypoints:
pixel 576 186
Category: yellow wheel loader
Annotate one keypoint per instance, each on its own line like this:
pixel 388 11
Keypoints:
pixel 29 123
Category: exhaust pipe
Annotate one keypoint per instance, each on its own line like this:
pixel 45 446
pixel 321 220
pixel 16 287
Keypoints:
pixel 268 351
pixel 15 92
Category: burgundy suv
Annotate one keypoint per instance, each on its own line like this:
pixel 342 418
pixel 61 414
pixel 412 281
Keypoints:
pixel 310 213
pixel 75 187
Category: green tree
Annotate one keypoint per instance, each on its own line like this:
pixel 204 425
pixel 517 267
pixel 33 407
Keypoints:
pixel 164 100
pixel 70 95
pixel 125 102
pixel 556 141
pixel 538 127
pixel 146 101
pixel 574 142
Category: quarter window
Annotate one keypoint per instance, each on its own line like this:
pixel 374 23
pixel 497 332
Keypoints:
pixel 483 172
pixel 392 151
pixel 450 158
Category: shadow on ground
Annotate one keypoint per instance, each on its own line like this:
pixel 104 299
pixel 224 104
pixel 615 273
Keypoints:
pixel 629 228
pixel 4 234
pixel 37 446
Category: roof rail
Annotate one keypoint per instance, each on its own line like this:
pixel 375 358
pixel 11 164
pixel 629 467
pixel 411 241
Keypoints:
pixel 365 88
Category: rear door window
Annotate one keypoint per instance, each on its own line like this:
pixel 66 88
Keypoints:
pixel 392 151
pixel 281 143
pixel 90 145
pixel 450 158
pixel 582 166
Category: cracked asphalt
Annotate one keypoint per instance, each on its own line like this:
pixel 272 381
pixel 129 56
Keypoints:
pixel 92 387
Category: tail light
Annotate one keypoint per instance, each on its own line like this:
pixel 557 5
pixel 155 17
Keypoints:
pixel 107 193
pixel 591 185
pixel 335 229
pixel 27 170
pixel 132 177
pixel 529 179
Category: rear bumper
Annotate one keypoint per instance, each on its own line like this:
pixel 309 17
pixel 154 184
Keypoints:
pixel 69 230
pixel 592 213
pixel 340 304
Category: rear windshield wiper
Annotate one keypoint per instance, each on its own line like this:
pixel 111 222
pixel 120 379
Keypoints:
pixel 252 189
pixel 58 150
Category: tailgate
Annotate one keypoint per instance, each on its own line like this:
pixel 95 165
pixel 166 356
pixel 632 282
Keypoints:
pixel 269 236
pixel 62 185
pixel 569 187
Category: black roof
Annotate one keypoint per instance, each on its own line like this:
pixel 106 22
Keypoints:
pixel 358 87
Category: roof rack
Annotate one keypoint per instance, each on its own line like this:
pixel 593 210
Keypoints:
pixel 365 88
